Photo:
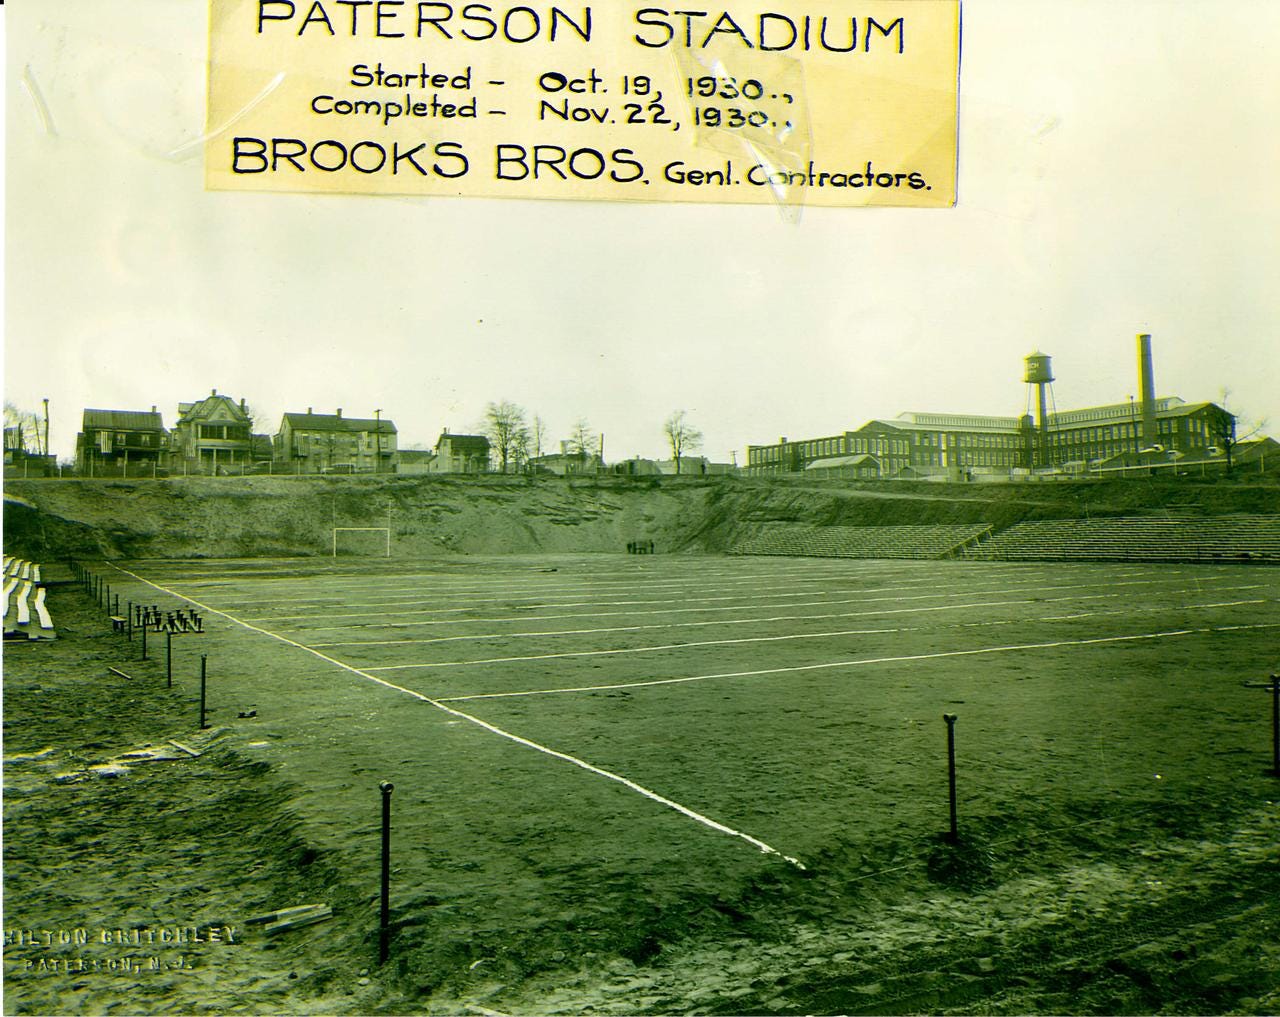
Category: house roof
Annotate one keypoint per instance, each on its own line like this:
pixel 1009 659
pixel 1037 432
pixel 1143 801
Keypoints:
pixel 835 462
pixel 558 457
pixel 212 407
pixel 465 444
pixel 1186 409
pixel 123 420
pixel 333 422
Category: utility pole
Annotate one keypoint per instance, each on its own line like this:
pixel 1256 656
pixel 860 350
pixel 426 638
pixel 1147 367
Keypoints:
pixel 46 427
pixel 377 437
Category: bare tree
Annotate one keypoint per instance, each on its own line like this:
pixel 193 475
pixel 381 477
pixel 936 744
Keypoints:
pixel 537 435
pixel 23 429
pixel 681 436
pixel 582 440
pixel 1226 431
pixel 507 431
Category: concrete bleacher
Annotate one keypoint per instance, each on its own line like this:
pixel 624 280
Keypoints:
pixel 918 541
pixel 23 596
pixel 1230 538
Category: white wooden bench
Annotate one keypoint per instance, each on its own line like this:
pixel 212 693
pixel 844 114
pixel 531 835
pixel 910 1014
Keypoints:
pixel 42 612
pixel 24 609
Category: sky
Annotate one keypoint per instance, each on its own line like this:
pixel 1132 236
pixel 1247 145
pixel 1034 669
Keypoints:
pixel 1117 176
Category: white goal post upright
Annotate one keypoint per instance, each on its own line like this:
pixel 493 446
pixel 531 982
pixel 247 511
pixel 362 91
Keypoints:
pixel 361 529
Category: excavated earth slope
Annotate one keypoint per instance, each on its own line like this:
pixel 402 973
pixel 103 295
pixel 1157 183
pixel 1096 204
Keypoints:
pixel 233 517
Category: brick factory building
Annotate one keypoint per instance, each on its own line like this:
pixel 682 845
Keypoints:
pixel 1150 433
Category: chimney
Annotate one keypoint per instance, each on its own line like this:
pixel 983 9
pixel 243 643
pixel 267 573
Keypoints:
pixel 243 408
pixel 153 409
pixel 1146 378
pixel 214 392
pixel 339 414
pixel 308 411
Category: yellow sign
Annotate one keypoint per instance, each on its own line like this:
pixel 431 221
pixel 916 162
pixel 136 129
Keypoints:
pixel 796 103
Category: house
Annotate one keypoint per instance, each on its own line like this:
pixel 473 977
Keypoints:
pixel 567 464
pixel 862 466
pixel 461 453
pixel 696 466
pixel 214 435
pixel 331 443
pixel 636 467
pixel 414 462
pixel 122 443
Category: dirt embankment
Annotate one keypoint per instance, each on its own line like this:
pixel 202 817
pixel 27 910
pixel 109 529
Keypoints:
pixel 232 517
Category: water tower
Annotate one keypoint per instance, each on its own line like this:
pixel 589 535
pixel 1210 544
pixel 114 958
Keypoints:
pixel 1038 374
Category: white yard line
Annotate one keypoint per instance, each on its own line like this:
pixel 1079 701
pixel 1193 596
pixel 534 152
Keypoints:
pixel 758 639
pixel 860 598
pixel 853 663
pixel 591 566
pixel 392 590
pixel 441 584
pixel 771 619
pixel 385 594
pixel 521 619
pixel 491 728
pixel 544 605
pixel 633 649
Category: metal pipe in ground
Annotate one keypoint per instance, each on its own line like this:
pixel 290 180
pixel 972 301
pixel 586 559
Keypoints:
pixel 950 718
pixel 1275 725
pixel 204 660
pixel 384 917
pixel 1272 685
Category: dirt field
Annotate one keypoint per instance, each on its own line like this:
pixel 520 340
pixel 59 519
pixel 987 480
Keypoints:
pixel 668 784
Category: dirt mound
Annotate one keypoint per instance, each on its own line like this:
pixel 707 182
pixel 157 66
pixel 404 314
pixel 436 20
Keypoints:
pixel 251 516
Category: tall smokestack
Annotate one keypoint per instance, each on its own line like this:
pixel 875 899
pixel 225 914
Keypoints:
pixel 1147 380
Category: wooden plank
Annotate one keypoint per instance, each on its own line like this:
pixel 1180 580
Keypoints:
pixel 281 914
pixel 35 573
pixel 117 671
pixel 24 609
pixel 188 751
pixel 319 915
pixel 43 612
pixel 26 570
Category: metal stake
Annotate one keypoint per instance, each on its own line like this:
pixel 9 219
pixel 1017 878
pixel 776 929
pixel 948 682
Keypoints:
pixel 130 621
pixel 1275 725
pixel 144 639
pixel 168 658
pixel 1272 684
pixel 950 718
pixel 204 658
pixel 384 920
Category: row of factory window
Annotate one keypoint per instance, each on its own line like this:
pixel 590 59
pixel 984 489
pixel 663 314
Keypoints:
pixel 1128 432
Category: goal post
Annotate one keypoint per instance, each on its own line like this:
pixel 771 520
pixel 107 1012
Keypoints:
pixel 365 542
